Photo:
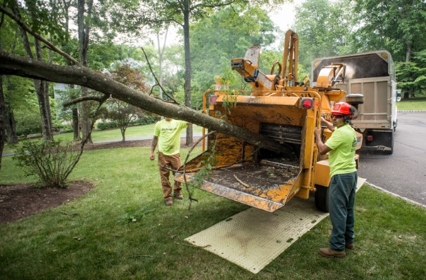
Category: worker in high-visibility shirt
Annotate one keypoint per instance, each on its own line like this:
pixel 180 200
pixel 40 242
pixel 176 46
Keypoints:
pixel 343 173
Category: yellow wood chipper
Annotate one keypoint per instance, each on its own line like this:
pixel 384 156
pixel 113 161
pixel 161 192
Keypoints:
pixel 282 109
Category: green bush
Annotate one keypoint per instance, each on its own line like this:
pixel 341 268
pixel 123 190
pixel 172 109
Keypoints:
pixel 49 161
pixel 106 125
pixel 146 120
pixel 27 124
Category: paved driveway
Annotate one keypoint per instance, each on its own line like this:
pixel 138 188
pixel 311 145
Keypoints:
pixel 403 172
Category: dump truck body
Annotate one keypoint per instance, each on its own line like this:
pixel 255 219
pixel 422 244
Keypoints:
pixel 372 75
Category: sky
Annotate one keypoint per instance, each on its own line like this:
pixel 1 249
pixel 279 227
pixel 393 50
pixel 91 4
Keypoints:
pixel 283 17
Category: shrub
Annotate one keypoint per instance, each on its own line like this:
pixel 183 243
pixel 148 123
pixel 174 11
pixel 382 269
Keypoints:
pixel 106 125
pixel 49 161
pixel 28 125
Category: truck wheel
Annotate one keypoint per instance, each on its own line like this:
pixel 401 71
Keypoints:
pixel 391 140
pixel 321 198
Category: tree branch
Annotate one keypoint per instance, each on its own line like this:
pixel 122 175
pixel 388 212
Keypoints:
pixel 37 36
pixel 84 98
pixel 77 75
pixel 155 77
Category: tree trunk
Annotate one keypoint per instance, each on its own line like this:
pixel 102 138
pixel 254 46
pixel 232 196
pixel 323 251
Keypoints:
pixel 85 122
pixel 42 90
pixel 160 62
pixel 187 85
pixel 24 67
pixel 83 41
pixel 75 125
pixel 123 134
pixel 40 86
pixel 12 137
pixel 410 93
pixel 2 120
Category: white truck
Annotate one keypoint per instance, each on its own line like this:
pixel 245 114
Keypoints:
pixel 370 85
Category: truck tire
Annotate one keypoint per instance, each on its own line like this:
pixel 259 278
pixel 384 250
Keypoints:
pixel 321 198
pixel 391 140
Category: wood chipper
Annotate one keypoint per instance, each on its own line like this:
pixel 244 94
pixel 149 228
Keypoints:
pixel 281 109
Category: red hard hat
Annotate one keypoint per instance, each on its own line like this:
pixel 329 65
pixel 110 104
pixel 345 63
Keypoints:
pixel 342 108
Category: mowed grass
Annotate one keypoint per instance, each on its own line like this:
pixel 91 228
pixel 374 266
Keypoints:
pixel 132 133
pixel 418 103
pixel 122 230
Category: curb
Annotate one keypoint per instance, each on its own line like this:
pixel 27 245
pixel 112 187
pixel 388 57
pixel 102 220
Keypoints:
pixel 411 111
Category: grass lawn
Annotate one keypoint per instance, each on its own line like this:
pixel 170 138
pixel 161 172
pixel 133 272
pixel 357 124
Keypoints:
pixel 122 230
pixel 132 133
pixel 418 103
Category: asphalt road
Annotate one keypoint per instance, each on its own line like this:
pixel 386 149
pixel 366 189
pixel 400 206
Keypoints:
pixel 403 172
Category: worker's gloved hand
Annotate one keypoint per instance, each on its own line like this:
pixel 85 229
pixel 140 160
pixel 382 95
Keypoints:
pixel 317 133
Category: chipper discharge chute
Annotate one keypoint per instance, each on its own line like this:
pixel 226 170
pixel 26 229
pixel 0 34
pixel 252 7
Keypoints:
pixel 278 108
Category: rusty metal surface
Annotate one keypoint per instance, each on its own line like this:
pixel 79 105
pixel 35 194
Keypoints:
pixel 267 185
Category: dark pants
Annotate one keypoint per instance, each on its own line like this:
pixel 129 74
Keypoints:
pixel 341 207
pixel 165 165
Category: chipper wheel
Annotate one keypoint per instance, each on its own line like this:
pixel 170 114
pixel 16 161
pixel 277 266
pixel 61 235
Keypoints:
pixel 321 198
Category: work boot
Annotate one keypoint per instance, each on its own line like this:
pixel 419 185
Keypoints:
pixel 168 201
pixel 178 195
pixel 349 246
pixel 327 252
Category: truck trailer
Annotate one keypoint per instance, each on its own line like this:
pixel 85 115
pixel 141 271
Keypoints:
pixel 369 76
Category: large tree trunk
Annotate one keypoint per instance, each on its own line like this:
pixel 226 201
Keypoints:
pixel 83 42
pixel 40 86
pixel 187 85
pixel 42 90
pixel 75 125
pixel 12 137
pixel 410 93
pixel 24 67
pixel 2 120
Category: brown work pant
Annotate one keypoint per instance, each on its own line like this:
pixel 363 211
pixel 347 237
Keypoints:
pixel 167 164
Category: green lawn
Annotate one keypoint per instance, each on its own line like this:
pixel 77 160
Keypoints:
pixel 92 237
pixel 418 103
pixel 132 133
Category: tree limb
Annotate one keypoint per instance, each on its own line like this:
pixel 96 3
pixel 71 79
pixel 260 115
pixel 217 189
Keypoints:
pixel 20 66
pixel 155 77
pixel 82 99
pixel 37 36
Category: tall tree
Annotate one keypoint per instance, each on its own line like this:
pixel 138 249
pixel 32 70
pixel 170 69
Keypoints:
pixel 84 24
pixel 397 26
pixel 2 120
pixel 323 28
pixel 226 34
pixel 41 87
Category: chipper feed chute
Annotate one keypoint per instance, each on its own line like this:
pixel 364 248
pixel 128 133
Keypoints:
pixel 258 177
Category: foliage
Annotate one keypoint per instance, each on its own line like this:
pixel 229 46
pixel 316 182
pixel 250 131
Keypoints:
pixel 226 34
pixel 396 26
pixel 411 75
pixel 323 28
pixel 28 122
pixel 49 161
pixel 119 112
